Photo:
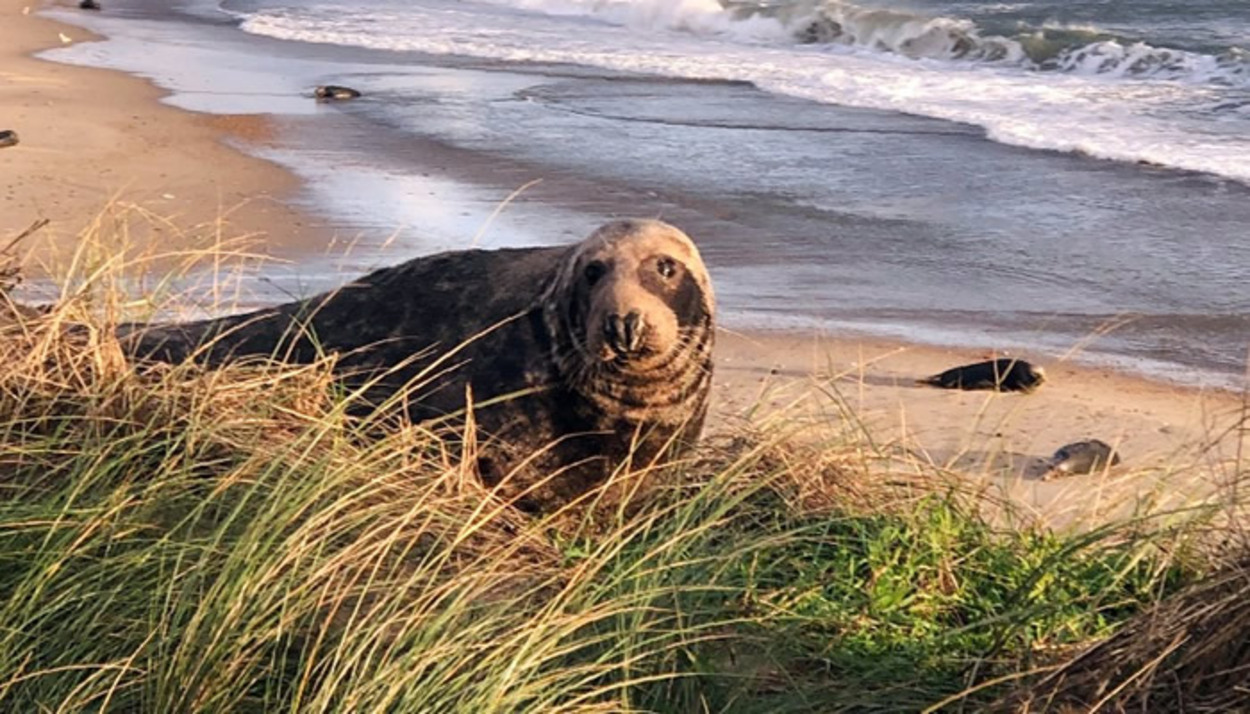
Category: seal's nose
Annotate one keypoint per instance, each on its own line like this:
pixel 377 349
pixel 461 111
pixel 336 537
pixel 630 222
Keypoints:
pixel 624 334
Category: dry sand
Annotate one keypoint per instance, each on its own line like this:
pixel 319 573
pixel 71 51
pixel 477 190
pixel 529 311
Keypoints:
pixel 89 136
pixel 1179 444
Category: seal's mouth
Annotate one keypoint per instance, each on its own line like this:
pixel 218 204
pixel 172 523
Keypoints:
pixel 610 355
pixel 624 339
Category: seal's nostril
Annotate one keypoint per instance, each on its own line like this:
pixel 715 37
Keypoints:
pixel 624 334
pixel 634 328
pixel 632 320
pixel 614 332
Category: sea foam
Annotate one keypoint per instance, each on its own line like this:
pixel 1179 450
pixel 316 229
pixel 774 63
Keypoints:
pixel 1106 99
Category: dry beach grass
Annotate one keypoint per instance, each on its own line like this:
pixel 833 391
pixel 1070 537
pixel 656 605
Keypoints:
pixel 184 540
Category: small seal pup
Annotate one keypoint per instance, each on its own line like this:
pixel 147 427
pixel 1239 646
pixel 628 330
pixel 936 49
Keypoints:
pixel 334 92
pixel 578 358
pixel 1080 457
pixel 1000 375
pixel 8 138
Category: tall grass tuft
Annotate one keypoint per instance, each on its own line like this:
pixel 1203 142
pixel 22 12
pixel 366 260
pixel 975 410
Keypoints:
pixel 1188 653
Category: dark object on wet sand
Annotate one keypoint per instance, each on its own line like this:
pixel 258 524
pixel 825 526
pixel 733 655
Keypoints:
pixel 8 137
pixel 1081 457
pixel 335 92
pixel 89 5
pixel 594 353
pixel 1000 375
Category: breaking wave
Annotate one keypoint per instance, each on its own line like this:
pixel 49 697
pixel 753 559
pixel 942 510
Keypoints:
pixel 1083 50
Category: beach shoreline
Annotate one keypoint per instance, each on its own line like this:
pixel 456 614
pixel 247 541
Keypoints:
pixel 91 135
pixel 446 151
pixel 96 138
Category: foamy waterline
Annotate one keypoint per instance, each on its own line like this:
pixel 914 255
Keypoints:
pixel 1078 48
pixel 1097 113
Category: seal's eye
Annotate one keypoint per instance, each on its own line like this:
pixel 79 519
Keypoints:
pixel 594 271
pixel 666 267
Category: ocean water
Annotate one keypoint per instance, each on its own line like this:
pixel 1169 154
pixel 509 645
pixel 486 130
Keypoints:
pixel 1065 177
pixel 1159 81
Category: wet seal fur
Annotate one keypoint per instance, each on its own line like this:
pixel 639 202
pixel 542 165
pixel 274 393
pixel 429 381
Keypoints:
pixel 1000 375
pixel 577 358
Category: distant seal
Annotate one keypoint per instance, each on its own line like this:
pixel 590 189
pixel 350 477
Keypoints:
pixel 1081 457
pixel 820 30
pixel 8 138
pixel 1000 375
pixel 89 5
pixel 335 92
pixel 605 348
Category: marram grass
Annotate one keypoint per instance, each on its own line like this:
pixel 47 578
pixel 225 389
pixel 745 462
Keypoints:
pixel 176 540
pixel 187 541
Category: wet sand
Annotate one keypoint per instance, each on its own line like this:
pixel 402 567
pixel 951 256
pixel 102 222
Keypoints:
pixel 90 136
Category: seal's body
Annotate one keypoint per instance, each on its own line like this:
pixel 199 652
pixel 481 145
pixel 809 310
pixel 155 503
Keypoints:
pixel 1000 375
pixel 1081 457
pixel 576 358
pixel 331 92
pixel 8 138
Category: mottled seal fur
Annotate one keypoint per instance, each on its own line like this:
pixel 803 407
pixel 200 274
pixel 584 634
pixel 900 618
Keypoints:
pixel 333 91
pixel 1081 457
pixel 1000 375
pixel 8 137
pixel 604 346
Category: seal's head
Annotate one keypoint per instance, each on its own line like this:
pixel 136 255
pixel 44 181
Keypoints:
pixel 631 309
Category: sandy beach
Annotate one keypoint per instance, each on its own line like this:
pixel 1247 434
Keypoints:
pixel 1176 442
pixel 94 137
pixel 91 136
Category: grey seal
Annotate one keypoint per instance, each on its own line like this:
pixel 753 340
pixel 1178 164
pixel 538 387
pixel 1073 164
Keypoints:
pixel 335 92
pixel 578 359
pixel 1000 375
pixel 1080 457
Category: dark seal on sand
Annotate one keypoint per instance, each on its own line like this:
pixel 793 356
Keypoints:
pixel 593 354
pixel 335 92
pixel 89 5
pixel 1081 457
pixel 1000 375
pixel 8 138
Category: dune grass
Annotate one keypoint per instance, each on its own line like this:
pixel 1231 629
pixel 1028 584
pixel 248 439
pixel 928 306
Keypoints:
pixel 178 540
